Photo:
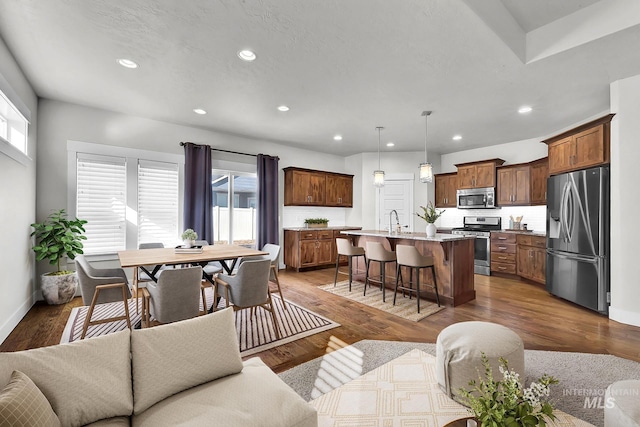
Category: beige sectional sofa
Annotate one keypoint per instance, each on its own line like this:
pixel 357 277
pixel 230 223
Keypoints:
pixel 187 373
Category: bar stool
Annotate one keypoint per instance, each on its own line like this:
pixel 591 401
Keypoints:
pixel 345 248
pixel 376 252
pixel 409 256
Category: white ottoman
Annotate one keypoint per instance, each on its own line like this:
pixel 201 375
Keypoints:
pixel 622 404
pixel 459 349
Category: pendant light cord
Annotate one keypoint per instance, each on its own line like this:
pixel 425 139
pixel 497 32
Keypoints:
pixel 426 115
pixel 379 129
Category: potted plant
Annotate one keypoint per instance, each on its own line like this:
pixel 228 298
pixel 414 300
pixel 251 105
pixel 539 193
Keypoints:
pixel 316 222
pixel 495 402
pixel 189 237
pixel 56 238
pixel 430 215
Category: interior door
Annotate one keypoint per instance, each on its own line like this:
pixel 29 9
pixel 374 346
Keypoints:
pixel 396 194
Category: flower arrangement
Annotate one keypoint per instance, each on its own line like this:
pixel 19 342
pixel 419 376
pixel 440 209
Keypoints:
pixel 429 213
pixel 189 234
pixel 504 402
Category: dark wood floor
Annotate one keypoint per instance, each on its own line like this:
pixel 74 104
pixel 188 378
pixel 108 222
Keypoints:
pixel 543 321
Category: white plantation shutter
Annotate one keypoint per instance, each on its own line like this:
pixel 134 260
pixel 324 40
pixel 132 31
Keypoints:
pixel 101 200
pixel 158 202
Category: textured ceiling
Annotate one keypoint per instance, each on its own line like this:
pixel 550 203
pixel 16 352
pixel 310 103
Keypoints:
pixel 342 66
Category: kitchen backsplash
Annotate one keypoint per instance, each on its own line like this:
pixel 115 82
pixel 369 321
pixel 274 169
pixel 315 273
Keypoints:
pixel 533 216
pixel 294 216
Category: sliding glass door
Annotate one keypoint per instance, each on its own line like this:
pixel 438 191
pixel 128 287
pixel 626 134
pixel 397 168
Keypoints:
pixel 234 207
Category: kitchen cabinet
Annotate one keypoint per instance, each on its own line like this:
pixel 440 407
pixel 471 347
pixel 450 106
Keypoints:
pixel 478 174
pixel 531 257
pixel 339 190
pixel 539 174
pixel 580 148
pixel 306 187
pixel 446 185
pixel 503 252
pixel 308 248
pixel 514 185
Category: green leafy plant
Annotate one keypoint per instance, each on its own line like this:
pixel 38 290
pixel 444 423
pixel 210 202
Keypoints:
pixel 496 403
pixel 429 213
pixel 58 237
pixel 189 234
pixel 316 221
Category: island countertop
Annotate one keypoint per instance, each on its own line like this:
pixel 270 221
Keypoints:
pixel 439 237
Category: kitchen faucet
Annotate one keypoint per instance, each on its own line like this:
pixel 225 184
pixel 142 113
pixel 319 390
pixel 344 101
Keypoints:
pixel 397 222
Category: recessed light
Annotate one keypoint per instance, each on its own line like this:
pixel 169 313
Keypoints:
pixel 283 108
pixel 524 109
pixel 337 138
pixel 390 144
pixel 457 137
pixel 199 111
pixel 246 55
pixel 127 63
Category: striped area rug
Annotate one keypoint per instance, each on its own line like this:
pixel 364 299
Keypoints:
pixel 405 307
pixel 256 332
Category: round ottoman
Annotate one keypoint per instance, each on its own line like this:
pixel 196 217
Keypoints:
pixel 622 404
pixel 459 349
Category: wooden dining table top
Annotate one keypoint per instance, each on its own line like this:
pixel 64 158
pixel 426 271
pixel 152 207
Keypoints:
pixel 140 257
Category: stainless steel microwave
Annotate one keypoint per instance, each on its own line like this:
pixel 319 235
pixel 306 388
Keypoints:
pixel 476 198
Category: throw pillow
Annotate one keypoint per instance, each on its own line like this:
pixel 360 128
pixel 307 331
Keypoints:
pixel 22 404
pixel 168 359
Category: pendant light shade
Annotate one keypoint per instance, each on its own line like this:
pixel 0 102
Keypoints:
pixel 378 175
pixel 426 170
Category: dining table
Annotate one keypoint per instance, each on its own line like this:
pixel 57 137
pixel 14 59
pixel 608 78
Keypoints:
pixel 226 255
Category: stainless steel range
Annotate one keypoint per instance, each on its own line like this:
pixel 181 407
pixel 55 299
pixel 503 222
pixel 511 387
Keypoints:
pixel 480 227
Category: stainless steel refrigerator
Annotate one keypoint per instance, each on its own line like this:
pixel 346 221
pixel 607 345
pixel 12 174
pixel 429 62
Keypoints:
pixel 578 237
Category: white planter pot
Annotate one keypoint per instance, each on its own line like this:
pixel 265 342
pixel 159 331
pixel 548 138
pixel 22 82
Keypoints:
pixel 188 243
pixel 431 230
pixel 58 289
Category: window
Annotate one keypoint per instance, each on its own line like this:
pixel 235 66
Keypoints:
pixel 157 202
pixel 234 222
pixel 14 124
pixel 101 200
pixel 128 196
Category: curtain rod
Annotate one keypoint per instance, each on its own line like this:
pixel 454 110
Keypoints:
pixel 222 151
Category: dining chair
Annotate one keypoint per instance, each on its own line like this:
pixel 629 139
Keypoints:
pixel 409 256
pixel 209 270
pixel 99 286
pixel 249 288
pixel 174 297
pixel 274 257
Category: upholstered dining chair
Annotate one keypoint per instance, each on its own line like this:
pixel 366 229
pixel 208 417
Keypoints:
pixel 174 297
pixel 274 257
pixel 249 288
pixel 99 286
pixel 209 270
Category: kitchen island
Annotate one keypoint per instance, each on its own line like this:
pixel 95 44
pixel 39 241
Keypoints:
pixel 453 262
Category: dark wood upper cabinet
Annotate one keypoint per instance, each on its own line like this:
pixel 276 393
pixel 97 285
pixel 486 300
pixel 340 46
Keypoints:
pixel 478 174
pixel 586 146
pixel 539 175
pixel 306 187
pixel 446 185
pixel 522 184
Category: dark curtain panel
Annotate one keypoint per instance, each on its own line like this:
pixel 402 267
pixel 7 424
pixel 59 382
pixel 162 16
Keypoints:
pixel 268 227
pixel 197 190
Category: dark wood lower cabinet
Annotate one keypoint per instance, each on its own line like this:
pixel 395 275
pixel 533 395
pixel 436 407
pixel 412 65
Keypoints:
pixel 532 257
pixel 311 248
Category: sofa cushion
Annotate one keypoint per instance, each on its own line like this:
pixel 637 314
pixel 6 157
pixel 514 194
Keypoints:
pixel 168 359
pixel 84 381
pixel 112 422
pixel 23 404
pixel 254 397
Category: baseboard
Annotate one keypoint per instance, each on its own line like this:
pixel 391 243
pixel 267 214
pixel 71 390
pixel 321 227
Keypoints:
pixel 16 317
pixel 624 316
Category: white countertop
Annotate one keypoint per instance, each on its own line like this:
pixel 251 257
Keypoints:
pixel 439 237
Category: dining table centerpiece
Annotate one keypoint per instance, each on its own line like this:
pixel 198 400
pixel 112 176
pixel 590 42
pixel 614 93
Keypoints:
pixel 504 402
pixel 430 214
pixel 189 238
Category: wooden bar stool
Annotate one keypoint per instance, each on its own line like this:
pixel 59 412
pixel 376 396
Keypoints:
pixel 345 248
pixel 409 256
pixel 376 252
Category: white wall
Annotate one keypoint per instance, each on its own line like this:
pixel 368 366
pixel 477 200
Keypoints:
pixel 625 176
pixel 17 210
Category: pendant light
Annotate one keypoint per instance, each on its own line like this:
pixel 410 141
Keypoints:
pixel 426 169
pixel 378 175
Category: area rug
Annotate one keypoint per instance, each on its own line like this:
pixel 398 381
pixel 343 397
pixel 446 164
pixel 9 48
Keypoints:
pixel 583 377
pixel 401 392
pixel 255 330
pixel 405 307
